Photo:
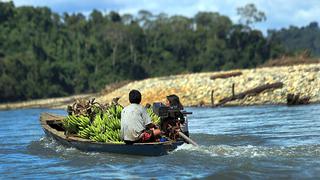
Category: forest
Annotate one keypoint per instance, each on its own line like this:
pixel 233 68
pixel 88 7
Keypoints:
pixel 45 54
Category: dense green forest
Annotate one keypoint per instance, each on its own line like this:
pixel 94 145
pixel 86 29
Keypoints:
pixel 295 39
pixel 44 54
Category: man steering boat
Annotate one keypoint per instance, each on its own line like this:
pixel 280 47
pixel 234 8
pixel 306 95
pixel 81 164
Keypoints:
pixel 173 102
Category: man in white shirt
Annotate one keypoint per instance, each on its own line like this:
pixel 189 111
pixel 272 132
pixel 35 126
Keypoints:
pixel 136 125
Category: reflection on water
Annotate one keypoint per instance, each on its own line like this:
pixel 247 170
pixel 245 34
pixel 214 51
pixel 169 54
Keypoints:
pixel 235 142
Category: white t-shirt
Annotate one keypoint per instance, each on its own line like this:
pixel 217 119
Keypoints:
pixel 134 119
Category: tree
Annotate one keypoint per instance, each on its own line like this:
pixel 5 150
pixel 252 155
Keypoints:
pixel 115 35
pixel 127 19
pixel 6 11
pixel 144 18
pixel 297 39
pixel 96 17
pixel 249 15
pixel 115 17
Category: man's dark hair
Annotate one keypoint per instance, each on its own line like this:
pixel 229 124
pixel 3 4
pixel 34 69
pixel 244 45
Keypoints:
pixel 135 97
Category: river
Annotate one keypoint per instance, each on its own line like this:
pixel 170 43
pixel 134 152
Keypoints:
pixel 258 142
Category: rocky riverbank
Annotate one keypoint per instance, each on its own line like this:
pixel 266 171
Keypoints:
pixel 195 89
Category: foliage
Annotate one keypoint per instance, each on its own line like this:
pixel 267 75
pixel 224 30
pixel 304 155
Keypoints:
pixel 154 118
pixel 44 54
pixel 297 40
pixel 249 14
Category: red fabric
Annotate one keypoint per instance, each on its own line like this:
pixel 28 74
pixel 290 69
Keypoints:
pixel 146 136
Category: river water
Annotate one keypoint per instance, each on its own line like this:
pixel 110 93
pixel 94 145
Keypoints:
pixel 259 142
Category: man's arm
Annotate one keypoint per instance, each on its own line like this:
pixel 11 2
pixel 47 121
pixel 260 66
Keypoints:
pixel 149 125
pixel 148 122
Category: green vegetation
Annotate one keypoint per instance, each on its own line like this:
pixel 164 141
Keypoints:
pixel 154 118
pixel 296 40
pixel 44 54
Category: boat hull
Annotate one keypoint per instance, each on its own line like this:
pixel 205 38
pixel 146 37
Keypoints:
pixel 144 149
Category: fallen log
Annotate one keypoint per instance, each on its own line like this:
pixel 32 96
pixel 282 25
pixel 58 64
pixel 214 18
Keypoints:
pixel 225 75
pixel 251 92
pixel 293 99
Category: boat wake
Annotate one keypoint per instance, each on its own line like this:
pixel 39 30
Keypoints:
pixel 49 147
pixel 47 142
pixel 250 151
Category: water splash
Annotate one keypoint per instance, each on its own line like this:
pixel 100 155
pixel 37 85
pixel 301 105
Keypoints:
pixel 50 143
pixel 253 151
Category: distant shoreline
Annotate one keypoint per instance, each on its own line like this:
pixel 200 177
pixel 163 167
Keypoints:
pixel 51 103
pixel 195 89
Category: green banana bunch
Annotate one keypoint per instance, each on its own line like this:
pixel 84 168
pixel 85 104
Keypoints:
pixel 85 132
pixel 154 118
pixel 115 111
pixel 73 123
pixel 112 122
pixel 105 126
pixel 83 121
pixel 113 136
pixel 70 124
pixel 100 137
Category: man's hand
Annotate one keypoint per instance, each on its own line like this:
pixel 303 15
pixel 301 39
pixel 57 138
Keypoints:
pixel 157 132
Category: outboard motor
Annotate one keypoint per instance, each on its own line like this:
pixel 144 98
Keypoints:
pixel 171 119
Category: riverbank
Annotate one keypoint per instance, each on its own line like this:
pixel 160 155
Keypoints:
pixel 195 89
pixel 52 103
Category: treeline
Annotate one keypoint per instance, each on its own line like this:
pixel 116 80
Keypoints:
pixel 44 54
pixel 295 39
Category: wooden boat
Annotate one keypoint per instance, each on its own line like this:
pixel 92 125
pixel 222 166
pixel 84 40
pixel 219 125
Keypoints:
pixel 52 126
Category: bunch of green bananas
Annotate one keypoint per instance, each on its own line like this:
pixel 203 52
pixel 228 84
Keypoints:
pixel 86 132
pixel 154 118
pixel 105 126
pixel 73 123
pixel 114 111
